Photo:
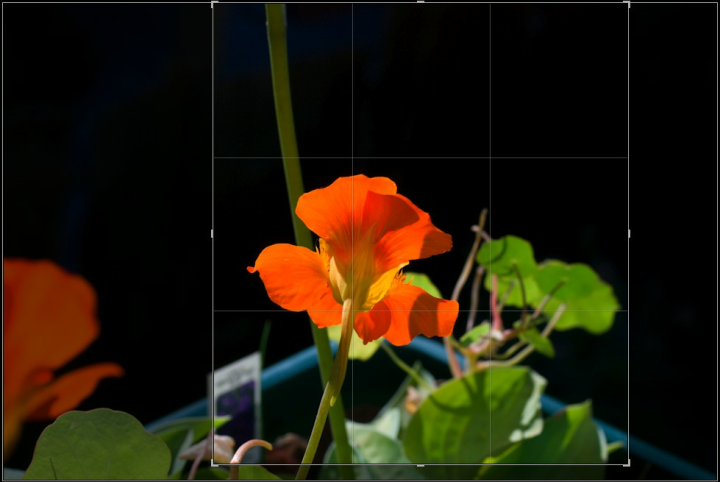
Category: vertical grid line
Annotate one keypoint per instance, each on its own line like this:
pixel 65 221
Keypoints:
pixel 212 221
pixel 627 297
pixel 490 368
pixel 352 220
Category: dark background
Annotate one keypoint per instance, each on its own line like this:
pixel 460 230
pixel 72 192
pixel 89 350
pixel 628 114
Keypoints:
pixel 108 171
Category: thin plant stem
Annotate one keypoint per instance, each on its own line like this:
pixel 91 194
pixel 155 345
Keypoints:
pixel 332 390
pixel 240 453
pixel 522 293
pixel 529 349
pixel 474 297
pixel 405 367
pixel 464 274
pixel 277 40
pixel 506 295
pixel 547 298
pixel 198 459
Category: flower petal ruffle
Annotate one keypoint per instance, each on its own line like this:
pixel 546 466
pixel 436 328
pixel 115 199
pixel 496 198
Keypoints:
pixel 414 312
pixel 295 278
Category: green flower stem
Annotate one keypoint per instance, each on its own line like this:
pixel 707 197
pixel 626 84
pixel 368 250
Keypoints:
pixel 277 40
pixel 406 368
pixel 332 391
pixel 522 292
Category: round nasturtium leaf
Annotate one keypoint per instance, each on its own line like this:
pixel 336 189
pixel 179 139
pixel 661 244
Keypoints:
pixel 453 425
pixel 499 256
pixel 579 279
pixel 568 437
pixel 99 444
pixel 594 313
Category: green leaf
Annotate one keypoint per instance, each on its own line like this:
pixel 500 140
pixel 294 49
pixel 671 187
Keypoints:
pixel 177 441
pixel 371 446
pixel 579 279
pixel 255 472
pixel 358 349
pixel 212 473
pixel 569 437
pixel 475 334
pixel 388 422
pixel 542 345
pixel 594 313
pixel 397 401
pixel 533 294
pixel 423 281
pixel 452 426
pixel 499 255
pixel 199 425
pixel 99 444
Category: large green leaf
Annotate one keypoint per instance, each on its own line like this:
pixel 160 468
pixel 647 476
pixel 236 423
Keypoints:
pixel 569 437
pixel 370 446
pixel 594 313
pixel 499 256
pixel 470 418
pixel 579 279
pixel 99 444
pixel 199 425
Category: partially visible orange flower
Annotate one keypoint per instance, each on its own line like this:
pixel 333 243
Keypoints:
pixel 368 233
pixel 48 319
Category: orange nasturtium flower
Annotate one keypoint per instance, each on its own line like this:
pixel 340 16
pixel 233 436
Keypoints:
pixel 368 233
pixel 49 318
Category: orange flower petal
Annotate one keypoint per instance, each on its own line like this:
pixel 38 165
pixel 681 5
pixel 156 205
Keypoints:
pixel 49 318
pixel 371 325
pixel 331 212
pixel 69 390
pixel 295 278
pixel 414 312
pixel 326 311
pixel 403 232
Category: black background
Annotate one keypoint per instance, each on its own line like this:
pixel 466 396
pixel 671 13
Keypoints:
pixel 108 171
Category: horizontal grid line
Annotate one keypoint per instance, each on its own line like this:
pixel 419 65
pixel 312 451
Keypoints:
pixel 384 158
pixel 411 311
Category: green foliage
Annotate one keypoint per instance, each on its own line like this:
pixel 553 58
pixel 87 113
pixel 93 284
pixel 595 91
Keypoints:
pixel 594 313
pixel 423 281
pixel 475 334
pixel 452 426
pixel 99 444
pixel 499 256
pixel 212 473
pixel 255 472
pixel 542 345
pixel 372 446
pixel 568 437
pixel 397 401
pixel 578 280
pixel 183 433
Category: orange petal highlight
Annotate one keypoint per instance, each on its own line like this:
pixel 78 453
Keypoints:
pixel 414 312
pixel 326 311
pixel 332 211
pixel 371 325
pixel 69 390
pixel 403 232
pixel 295 278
